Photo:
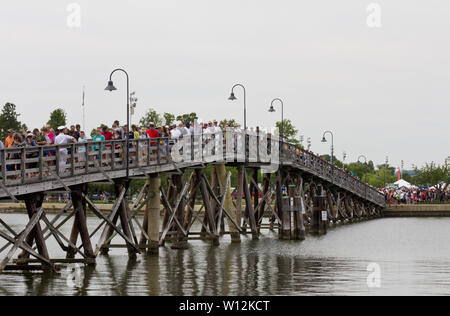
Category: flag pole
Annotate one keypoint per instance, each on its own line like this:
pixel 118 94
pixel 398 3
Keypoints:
pixel 84 114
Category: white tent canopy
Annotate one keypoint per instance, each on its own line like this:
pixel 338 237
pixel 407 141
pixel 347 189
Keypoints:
pixel 403 184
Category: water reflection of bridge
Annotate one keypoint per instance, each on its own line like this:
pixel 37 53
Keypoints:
pixel 302 193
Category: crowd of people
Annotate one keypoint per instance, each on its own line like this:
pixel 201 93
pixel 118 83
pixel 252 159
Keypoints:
pixel 414 195
pixel 63 135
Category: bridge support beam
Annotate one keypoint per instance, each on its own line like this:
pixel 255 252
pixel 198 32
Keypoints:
pixel 153 214
pixel 250 211
pixel 31 204
pixel 228 204
pixel 297 195
pixel 319 216
pixel 179 241
pixel 79 225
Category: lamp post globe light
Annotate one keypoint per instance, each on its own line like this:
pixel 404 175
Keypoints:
pixel 110 87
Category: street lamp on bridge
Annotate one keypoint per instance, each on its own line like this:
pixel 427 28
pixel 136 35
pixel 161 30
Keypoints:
pixel 365 177
pixel 272 110
pixel 110 87
pixel 324 140
pixel 365 162
pixel 362 156
pixel 233 97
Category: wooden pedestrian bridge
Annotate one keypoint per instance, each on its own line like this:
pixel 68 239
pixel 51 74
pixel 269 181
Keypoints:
pixel 297 193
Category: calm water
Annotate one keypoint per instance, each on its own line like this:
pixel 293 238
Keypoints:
pixel 413 254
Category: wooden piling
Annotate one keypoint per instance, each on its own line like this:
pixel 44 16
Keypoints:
pixel 123 215
pixel 153 214
pixel 79 224
pixel 285 212
pixel 298 195
pixel 228 205
pixel 250 210
pixel 319 216
pixel 179 241
pixel 30 202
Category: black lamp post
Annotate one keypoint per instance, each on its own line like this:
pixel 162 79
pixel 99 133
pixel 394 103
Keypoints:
pixel 272 109
pixel 233 97
pixel 111 87
pixel 387 169
pixel 324 140
pixel 365 177
pixel 365 161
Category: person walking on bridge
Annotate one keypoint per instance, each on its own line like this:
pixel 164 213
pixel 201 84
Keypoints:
pixel 62 139
pixel 10 139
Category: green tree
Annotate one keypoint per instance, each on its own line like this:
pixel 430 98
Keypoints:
pixel 432 175
pixel 57 118
pixel 385 166
pixel 289 131
pixel 151 117
pixel 231 122
pixel 169 118
pixel 9 119
pixel 359 169
pixel 188 117
pixel 379 178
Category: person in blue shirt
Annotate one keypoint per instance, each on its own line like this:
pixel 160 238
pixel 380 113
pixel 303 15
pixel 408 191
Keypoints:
pixel 98 138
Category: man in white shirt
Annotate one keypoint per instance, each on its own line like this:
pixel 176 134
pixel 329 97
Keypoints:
pixel 62 139
pixel 184 130
pixel 217 128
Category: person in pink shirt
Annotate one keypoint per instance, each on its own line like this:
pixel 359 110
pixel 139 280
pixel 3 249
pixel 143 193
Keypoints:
pixel 50 134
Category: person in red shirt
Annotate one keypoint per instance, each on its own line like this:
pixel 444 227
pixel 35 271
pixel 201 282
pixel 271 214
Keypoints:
pixel 105 132
pixel 152 133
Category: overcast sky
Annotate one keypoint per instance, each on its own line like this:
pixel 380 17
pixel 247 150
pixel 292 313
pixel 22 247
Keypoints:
pixel 382 91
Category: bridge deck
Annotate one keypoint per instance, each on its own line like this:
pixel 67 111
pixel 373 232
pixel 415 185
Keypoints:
pixel 27 170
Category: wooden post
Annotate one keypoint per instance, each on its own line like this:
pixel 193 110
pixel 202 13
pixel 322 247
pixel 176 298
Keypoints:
pixel 179 242
pixel 319 218
pixel 239 192
pixel 251 210
pixel 191 201
pixel 31 205
pixel 279 200
pixel 30 238
pixel 123 214
pixel 209 212
pixel 285 211
pixel 254 192
pixel 153 213
pixel 299 225
pixel 79 224
pixel 266 186
pixel 228 205
pixel 171 196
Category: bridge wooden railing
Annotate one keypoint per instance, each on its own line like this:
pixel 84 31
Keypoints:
pixel 34 164
pixel 327 171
